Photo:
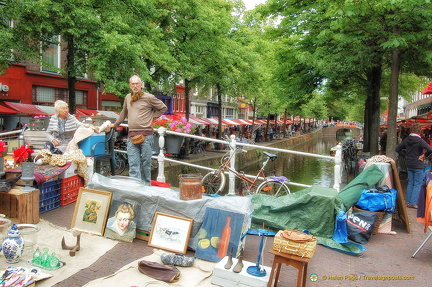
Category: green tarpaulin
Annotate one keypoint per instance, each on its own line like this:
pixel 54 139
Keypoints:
pixel 314 209
pixel 368 178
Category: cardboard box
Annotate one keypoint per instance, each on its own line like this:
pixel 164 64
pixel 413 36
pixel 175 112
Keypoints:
pixel 228 278
pixel 71 171
pixel 86 145
pixel 142 234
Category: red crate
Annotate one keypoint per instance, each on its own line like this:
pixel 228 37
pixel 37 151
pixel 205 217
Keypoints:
pixel 69 188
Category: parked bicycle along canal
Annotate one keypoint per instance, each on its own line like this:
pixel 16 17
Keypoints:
pixel 297 168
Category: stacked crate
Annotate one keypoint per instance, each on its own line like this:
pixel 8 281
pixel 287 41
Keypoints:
pixel 49 197
pixel 69 189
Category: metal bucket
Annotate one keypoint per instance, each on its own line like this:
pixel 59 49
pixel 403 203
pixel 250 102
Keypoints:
pixel 190 186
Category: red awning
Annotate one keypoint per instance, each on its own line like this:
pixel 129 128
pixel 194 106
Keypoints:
pixel 245 122
pixel 25 109
pixel 230 122
pixel 428 89
pixel 86 112
pixel 213 121
pixel 6 110
pixel 198 121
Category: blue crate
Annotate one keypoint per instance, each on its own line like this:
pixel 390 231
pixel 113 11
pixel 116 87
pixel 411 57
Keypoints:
pixel 86 145
pixel 49 195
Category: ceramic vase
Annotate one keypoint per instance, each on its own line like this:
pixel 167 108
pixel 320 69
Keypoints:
pixel 13 245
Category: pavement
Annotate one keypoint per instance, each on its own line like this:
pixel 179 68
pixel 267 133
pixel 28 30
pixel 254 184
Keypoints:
pixel 387 260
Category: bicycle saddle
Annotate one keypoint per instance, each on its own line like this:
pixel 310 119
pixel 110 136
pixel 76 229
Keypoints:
pixel 272 156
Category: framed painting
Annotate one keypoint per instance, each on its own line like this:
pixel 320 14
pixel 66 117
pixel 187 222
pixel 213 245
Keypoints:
pixel 170 232
pixel 121 223
pixel 91 211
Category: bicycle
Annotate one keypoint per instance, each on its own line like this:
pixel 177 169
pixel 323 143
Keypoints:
pixel 214 181
pixel 199 148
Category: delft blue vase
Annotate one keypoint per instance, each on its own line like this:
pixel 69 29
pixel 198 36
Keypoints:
pixel 13 245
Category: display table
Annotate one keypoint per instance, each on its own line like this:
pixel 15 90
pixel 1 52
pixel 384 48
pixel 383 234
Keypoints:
pixel 152 199
pixel 301 263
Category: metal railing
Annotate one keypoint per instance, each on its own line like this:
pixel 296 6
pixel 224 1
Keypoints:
pixel 233 143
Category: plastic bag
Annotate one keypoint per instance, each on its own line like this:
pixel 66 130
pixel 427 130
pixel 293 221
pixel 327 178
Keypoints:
pixel 360 225
pixel 340 234
pixel 378 199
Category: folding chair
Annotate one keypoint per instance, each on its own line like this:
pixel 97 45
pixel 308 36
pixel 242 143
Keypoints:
pixel 424 242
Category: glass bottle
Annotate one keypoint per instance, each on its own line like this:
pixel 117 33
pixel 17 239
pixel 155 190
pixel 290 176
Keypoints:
pixel 53 261
pixel 44 258
pixel 37 256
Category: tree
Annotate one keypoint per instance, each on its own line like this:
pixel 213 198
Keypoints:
pixel 112 40
pixel 349 44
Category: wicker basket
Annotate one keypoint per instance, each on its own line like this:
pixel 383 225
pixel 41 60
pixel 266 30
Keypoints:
pixel 380 215
pixel 302 249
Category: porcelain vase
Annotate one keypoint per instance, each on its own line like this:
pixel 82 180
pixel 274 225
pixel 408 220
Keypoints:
pixel 13 245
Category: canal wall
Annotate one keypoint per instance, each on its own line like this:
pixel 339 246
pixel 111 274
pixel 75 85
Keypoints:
pixel 213 159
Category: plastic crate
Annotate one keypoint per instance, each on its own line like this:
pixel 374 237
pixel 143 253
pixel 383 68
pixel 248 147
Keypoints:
pixel 69 189
pixel 86 145
pixel 49 195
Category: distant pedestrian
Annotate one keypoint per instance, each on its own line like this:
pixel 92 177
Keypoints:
pixel 414 149
pixel 383 142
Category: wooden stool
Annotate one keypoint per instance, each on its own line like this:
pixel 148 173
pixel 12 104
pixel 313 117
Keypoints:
pixel 301 263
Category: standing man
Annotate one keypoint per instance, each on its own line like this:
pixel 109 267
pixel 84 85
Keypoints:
pixel 140 109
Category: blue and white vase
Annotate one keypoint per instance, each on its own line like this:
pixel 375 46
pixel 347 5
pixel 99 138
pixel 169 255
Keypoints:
pixel 13 245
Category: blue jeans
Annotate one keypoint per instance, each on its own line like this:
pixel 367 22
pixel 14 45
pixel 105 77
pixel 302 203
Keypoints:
pixel 139 158
pixel 415 180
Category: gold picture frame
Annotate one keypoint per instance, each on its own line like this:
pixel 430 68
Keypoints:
pixel 170 232
pixel 91 211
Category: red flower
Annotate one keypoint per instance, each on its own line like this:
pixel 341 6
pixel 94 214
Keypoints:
pixel 22 153
pixel 2 146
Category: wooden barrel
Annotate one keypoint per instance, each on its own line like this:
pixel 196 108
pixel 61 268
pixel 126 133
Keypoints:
pixel 190 186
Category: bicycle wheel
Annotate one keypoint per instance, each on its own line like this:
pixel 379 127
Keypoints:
pixel 275 188
pixel 119 163
pixel 213 183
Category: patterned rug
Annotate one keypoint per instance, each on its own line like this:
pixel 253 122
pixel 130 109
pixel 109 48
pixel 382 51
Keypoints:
pixel 43 173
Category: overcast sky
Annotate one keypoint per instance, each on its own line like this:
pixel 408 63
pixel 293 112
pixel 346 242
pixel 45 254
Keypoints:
pixel 250 4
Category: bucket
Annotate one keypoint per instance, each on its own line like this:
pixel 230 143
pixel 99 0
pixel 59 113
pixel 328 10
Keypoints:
pixel 190 186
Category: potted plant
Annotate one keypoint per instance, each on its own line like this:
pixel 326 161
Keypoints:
pixel 173 123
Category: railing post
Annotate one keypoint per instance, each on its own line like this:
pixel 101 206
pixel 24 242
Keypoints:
pixel 231 175
pixel 338 167
pixel 161 156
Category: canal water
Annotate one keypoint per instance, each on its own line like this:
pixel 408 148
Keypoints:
pixel 302 169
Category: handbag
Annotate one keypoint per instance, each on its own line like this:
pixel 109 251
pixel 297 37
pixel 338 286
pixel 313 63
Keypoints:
pixel 138 139
pixel 166 273
pixel 378 199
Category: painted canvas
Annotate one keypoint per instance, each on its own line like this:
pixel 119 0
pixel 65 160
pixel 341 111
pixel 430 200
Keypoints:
pixel 221 232
pixel 121 224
